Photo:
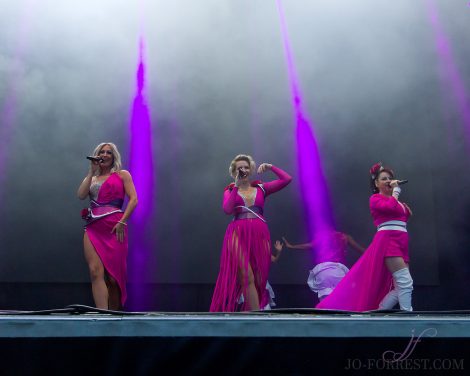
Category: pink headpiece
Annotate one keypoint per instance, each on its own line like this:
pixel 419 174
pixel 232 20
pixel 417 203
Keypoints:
pixel 375 170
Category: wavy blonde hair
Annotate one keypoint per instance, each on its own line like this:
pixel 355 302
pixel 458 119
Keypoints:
pixel 117 164
pixel 241 157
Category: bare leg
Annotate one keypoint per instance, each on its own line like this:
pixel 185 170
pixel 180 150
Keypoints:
pixel 395 263
pixel 252 293
pixel 248 285
pixel 247 282
pixel 114 293
pixel 95 266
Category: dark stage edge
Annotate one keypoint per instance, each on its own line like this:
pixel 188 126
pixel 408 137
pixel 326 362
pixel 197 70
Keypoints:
pixel 81 340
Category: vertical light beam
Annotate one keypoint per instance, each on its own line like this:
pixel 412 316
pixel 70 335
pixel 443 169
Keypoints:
pixel 141 168
pixel 452 80
pixel 8 114
pixel 312 182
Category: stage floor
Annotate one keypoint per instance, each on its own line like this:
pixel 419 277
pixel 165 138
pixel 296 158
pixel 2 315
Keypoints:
pixel 306 323
pixel 81 341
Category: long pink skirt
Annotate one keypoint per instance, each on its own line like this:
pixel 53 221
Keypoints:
pixel 369 280
pixel 113 254
pixel 246 243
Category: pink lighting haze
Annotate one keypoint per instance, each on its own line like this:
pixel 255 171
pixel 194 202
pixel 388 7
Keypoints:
pixel 141 168
pixel 313 187
pixel 452 80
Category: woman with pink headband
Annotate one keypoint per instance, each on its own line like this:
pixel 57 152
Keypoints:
pixel 380 278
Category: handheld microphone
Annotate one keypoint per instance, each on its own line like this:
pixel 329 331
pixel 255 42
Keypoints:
pixel 241 174
pixel 401 182
pixel 95 159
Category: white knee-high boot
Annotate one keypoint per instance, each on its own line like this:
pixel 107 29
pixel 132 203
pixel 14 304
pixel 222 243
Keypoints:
pixel 390 300
pixel 401 293
pixel 404 286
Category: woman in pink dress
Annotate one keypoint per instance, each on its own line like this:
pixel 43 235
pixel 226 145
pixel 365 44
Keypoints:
pixel 380 278
pixel 246 250
pixel 105 239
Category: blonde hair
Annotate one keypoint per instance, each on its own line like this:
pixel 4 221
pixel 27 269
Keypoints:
pixel 241 157
pixel 117 164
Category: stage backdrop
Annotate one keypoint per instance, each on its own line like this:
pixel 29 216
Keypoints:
pixel 380 80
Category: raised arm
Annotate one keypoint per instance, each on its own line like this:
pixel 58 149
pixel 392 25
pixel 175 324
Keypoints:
pixel 84 188
pixel 229 200
pixel 385 204
pixel 276 185
pixel 278 247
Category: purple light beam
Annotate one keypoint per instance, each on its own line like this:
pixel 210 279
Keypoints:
pixel 312 182
pixel 141 168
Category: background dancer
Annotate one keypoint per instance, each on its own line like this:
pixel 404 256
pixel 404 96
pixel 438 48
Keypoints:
pixel 330 256
pixel 368 285
pixel 105 240
pixel 246 250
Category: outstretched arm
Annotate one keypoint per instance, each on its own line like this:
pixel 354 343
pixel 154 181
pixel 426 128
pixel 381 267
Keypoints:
pixel 355 245
pixel 297 246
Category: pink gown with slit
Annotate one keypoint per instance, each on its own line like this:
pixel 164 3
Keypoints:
pixel 247 242
pixel 107 212
pixel 369 280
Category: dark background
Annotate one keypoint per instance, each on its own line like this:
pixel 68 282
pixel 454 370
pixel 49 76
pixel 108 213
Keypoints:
pixel 372 81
